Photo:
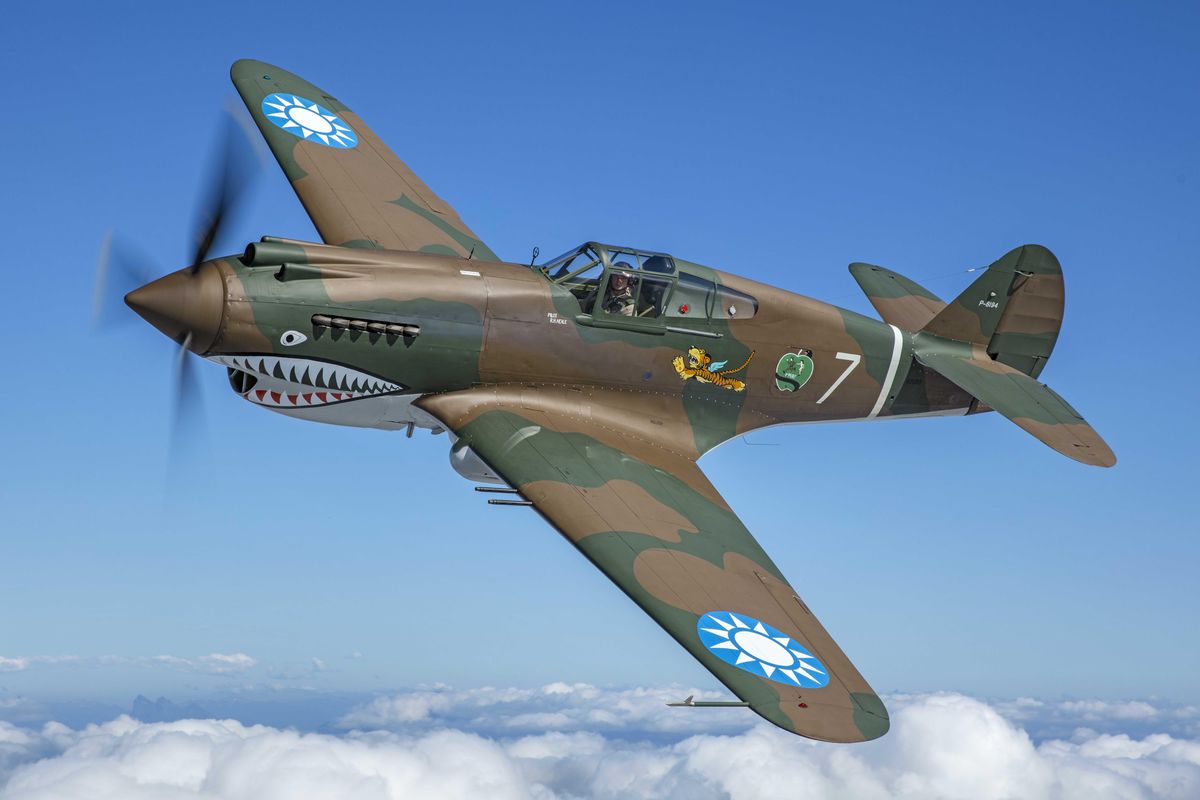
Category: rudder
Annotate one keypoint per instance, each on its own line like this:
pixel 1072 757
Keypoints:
pixel 1014 310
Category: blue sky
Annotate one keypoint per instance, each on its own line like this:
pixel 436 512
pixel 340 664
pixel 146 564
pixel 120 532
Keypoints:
pixel 780 144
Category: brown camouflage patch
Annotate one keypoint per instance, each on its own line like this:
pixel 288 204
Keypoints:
pixel 239 332
pixel 419 277
pixel 959 323
pixel 1078 441
pixel 625 421
pixel 1035 306
pixel 618 505
pixel 908 313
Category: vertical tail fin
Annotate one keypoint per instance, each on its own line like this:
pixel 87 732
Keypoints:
pixel 1014 310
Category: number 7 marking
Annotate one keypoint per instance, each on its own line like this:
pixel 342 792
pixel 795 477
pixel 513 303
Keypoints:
pixel 855 359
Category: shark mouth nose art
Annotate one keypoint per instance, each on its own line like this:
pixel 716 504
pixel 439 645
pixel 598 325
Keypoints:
pixel 284 382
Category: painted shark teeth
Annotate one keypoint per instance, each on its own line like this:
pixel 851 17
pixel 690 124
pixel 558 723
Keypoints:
pixel 286 382
pixel 266 397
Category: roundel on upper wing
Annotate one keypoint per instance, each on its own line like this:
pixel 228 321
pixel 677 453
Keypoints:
pixel 759 649
pixel 305 119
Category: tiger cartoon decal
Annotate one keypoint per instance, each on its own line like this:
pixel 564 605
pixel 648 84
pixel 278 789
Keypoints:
pixel 699 365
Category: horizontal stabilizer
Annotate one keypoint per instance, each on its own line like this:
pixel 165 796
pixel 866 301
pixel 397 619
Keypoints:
pixel 1033 406
pixel 899 301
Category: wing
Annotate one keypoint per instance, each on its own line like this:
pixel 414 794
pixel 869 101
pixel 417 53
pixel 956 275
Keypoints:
pixel 355 189
pixel 646 516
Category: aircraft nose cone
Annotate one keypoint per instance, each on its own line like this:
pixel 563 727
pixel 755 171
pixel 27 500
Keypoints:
pixel 182 303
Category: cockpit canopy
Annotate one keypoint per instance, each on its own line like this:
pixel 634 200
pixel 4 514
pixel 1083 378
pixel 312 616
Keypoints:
pixel 642 286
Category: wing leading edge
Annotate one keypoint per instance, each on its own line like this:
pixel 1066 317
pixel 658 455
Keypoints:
pixel 355 189
pixel 648 518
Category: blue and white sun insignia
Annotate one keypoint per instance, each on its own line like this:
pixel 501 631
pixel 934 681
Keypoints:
pixel 759 649
pixel 305 119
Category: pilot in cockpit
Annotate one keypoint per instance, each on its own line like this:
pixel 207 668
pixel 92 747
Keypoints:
pixel 618 297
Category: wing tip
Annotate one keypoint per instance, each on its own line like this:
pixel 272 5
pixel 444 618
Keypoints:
pixel 870 715
pixel 868 720
pixel 249 67
pixel 1103 457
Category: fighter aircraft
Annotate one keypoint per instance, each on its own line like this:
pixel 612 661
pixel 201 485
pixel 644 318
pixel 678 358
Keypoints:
pixel 588 386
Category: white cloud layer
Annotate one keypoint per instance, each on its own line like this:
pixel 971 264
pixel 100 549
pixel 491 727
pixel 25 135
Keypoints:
pixel 941 746
pixel 222 662
pixel 640 713
pixel 1058 719
pixel 627 713
pixel 215 663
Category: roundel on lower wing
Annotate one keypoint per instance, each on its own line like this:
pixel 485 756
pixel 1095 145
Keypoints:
pixel 759 649
pixel 306 120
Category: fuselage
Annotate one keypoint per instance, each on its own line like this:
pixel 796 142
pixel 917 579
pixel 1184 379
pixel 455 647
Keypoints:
pixel 354 337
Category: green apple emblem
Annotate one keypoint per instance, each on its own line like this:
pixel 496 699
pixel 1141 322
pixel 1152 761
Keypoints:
pixel 793 370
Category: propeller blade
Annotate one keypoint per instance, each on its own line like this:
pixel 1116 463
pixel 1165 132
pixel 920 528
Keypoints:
pixel 120 269
pixel 236 162
pixel 187 417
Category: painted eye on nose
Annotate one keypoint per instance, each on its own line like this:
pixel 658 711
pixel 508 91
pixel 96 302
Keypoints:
pixel 291 338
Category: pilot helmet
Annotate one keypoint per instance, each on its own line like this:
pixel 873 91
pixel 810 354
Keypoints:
pixel 621 273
